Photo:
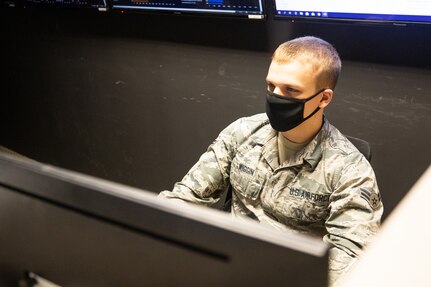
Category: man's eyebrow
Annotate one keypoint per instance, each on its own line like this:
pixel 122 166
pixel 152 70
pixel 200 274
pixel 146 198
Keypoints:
pixel 291 87
pixel 296 89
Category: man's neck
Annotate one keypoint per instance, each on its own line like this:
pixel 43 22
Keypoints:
pixel 305 132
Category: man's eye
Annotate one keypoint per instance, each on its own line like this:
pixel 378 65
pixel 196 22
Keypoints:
pixel 271 87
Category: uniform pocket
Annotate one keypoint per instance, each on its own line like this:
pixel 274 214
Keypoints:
pixel 302 205
pixel 248 185
pixel 292 201
pixel 245 177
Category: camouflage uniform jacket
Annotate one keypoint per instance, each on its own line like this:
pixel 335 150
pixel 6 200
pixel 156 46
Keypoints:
pixel 327 189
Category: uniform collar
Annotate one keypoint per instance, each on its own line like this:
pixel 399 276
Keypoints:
pixel 267 138
pixel 309 155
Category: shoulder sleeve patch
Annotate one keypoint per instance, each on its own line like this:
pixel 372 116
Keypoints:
pixel 373 199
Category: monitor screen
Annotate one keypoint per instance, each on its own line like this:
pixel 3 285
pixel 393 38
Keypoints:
pixel 8 3
pixel 75 230
pixel 252 9
pixel 381 11
pixel 101 5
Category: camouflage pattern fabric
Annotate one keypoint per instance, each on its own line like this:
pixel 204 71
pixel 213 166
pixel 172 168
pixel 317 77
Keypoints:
pixel 327 189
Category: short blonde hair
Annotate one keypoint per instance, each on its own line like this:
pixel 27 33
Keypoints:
pixel 321 56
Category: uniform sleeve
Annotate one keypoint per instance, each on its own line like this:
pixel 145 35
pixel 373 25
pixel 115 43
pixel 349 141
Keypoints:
pixel 209 177
pixel 354 219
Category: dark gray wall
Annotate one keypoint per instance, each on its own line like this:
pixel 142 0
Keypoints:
pixel 137 98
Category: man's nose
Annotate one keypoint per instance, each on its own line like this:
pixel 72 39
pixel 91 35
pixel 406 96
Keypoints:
pixel 277 91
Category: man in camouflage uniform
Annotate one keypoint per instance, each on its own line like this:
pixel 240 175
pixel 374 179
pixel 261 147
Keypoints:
pixel 290 168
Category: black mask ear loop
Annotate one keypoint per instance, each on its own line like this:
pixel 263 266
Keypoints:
pixel 317 109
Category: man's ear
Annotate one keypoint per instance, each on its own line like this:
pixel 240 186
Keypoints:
pixel 326 98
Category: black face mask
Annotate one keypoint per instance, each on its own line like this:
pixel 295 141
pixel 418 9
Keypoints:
pixel 287 113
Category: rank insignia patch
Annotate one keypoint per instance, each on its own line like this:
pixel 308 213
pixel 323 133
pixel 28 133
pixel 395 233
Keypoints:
pixel 372 198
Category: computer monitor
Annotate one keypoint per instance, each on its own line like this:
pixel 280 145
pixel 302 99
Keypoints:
pixel 75 230
pixel 363 11
pixel 101 5
pixel 8 3
pixel 252 9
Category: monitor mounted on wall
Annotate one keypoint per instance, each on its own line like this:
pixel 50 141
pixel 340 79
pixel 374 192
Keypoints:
pixel 396 12
pixel 8 3
pixel 101 5
pixel 252 9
